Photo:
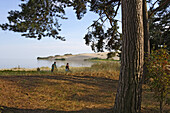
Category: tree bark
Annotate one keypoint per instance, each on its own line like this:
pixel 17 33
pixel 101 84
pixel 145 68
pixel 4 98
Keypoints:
pixel 132 58
pixel 146 35
pixel 146 29
pixel 146 51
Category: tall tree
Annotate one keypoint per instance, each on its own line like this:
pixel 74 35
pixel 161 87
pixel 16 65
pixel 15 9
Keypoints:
pixel 146 29
pixel 132 58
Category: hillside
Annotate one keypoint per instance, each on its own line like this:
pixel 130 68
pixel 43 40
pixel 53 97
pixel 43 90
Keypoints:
pixel 83 56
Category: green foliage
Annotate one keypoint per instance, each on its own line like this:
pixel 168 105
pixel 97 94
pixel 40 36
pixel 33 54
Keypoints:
pixel 111 54
pixel 39 18
pixel 42 58
pixel 80 7
pixel 158 74
pixel 100 37
pixel 60 59
pixel 68 54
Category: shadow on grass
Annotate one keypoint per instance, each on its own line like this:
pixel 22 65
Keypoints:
pixel 104 85
pixel 74 92
pixel 86 80
pixel 16 110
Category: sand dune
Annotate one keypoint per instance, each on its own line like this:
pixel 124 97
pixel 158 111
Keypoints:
pixel 101 55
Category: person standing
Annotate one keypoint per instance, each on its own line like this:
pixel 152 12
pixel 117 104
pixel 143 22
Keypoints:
pixel 67 67
pixel 53 67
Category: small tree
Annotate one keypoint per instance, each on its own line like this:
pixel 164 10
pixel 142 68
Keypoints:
pixel 159 78
pixel 111 54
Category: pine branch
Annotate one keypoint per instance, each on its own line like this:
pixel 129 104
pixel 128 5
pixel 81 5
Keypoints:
pixel 95 22
pixel 107 16
pixel 158 8
pixel 153 5
pixel 117 9
pixel 111 1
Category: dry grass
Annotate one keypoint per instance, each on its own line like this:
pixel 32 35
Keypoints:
pixel 56 92
pixel 84 90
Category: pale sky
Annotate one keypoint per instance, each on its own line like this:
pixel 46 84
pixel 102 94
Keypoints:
pixel 13 45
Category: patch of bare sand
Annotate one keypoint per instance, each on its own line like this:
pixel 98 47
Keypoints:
pixel 101 55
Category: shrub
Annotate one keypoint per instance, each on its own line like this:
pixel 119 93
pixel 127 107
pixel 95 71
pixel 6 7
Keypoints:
pixel 68 54
pixel 158 74
pixel 60 59
pixel 111 54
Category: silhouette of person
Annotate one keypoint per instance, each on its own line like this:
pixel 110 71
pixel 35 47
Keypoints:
pixel 67 67
pixel 53 67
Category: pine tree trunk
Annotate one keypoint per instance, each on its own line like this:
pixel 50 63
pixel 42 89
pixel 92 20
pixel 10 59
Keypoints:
pixel 146 36
pixel 146 51
pixel 132 58
pixel 146 29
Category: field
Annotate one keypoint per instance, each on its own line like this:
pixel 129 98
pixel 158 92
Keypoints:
pixel 83 90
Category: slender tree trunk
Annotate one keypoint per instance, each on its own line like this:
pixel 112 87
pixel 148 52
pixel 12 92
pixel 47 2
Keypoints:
pixel 132 58
pixel 146 29
pixel 146 35
pixel 146 50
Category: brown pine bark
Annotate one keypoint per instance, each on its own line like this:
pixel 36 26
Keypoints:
pixel 146 50
pixel 146 35
pixel 132 58
pixel 146 29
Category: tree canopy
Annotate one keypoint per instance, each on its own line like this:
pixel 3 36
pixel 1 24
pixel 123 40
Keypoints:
pixel 39 18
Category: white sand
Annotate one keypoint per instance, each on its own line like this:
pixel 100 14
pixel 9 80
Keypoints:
pixel 101 55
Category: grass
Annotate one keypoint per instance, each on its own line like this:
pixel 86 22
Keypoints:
pixel 83 90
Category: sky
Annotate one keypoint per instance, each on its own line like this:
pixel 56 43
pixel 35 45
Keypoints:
pixel 13 45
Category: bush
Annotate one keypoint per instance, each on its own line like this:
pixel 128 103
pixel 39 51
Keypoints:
pixel 68 54
pixel 60 59
pixel 111 54
pixel 158 74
